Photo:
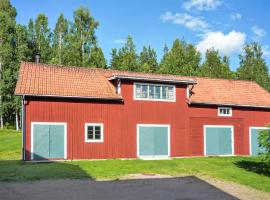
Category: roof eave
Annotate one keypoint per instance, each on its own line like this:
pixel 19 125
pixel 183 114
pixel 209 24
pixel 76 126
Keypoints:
pixel 222 104
pixel 151 79
pixel 71 97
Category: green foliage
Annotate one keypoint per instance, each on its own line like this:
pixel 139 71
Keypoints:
pixel 148 60
pixel 181 59
pixel 97 58
pixel 125 58
pixel 264 142
pixel 253 66
pixel 215 66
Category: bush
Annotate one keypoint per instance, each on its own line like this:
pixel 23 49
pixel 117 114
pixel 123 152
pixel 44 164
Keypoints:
pixel 264 142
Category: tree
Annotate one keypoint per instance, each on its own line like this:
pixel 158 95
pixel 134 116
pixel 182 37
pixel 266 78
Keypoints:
pixel 7 38
pixel 97 58
pixel 264 142
pixel 181 59
pixel 148 60
pixel 60 40
pixel 82 37
pixel 126 58
pixel 43 37
pixel 215 66
pixel 253 67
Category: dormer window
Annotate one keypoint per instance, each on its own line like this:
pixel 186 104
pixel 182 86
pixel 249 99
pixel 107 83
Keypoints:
pixel 225 111
pixel 154 92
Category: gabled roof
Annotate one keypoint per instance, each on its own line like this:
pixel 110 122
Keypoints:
pixel 229 92
pixel 54 80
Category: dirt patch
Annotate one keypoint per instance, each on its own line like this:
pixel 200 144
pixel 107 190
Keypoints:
pixel 234 189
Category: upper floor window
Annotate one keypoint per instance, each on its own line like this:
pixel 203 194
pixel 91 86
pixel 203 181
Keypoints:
pixel 156 92
pixel 224 111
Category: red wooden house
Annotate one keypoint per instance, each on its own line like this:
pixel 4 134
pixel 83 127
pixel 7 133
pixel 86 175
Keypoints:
pixel 85 113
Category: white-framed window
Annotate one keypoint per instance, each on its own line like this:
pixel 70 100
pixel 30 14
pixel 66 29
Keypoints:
pixel 94 132
pixel 225 111
pixel 154 92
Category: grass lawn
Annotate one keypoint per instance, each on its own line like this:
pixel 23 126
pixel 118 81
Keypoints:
pixel 243 170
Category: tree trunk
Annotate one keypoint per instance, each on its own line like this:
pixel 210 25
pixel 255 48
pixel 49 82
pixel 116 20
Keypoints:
pixel 17 121
pixel 1 103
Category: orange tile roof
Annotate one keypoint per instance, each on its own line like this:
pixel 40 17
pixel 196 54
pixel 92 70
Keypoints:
pixel 55 80
pixel 229 92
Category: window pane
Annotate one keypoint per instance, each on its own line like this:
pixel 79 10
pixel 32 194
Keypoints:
pixel 170 93
pixel 157 92
pixel 144 91
pixel 164 92
pixel 138 91
pixel 97 135
pixel 90 132
pixel 151 91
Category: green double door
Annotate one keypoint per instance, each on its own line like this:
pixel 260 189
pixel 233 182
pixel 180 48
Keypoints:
pixel 48 141
pixel 218 140
pixel 255 149
pixel 153 141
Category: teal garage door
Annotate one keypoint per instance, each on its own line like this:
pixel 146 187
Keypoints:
pixel 218 140
pixel 48 141
pixel 254 144
pixel 153 141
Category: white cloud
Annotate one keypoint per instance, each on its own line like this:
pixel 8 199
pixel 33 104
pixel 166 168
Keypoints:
pixel 119 41
pixel 226 44
pixel 258 32
pixel 202 4
pixel 189 21
pixel 236 16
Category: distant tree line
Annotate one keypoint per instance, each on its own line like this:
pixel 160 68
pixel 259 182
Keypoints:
pixel 74 43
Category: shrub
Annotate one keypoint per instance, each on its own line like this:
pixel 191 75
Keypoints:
pixel 264 142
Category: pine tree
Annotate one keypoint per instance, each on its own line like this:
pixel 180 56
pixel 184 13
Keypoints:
pixel 60 40
pixel 215 66
pixel 181 59
pixel 43 37
pixel 126 58
pixel 253 66
pixel 97 58
pixel 148 60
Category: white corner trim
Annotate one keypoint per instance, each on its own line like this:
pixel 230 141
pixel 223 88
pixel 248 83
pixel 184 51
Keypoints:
pixel 155 125
pixel 250 128
pixel 155 84
pixel 48 123
pixel 101 132
pixel 217 126
pixel 225 115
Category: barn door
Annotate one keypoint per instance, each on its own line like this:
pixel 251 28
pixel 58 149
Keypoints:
pixel 254 143
pixel 218 140
pixel 48 141
pixel 153 141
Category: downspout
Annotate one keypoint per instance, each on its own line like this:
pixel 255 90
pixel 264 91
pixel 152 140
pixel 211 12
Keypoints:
pixel 23 127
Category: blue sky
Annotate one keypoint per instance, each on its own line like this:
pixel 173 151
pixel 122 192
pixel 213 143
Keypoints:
pixel 224 24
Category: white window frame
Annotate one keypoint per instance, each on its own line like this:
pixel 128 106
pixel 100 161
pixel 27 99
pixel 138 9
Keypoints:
pixel 169 142
pixel 154 84
pixel 218 126
pixel 48 123
pixel 101 132
pixel 254 127
pixel 224 115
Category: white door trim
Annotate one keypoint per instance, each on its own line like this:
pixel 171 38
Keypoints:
pixel 250 128
pixel 169 140
pixel 217 126
pixel 49 123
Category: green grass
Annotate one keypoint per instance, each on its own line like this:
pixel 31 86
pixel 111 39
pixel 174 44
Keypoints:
pixel 243 170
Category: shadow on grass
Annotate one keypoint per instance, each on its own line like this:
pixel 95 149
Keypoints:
pixel 16 170
pixel 254 166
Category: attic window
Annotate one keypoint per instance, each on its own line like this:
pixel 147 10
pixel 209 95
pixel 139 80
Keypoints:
pixel 225 111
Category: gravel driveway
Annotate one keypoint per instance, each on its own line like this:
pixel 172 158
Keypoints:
pixel 157 189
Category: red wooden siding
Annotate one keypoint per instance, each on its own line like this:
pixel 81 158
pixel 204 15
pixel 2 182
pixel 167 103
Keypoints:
pixel 120 120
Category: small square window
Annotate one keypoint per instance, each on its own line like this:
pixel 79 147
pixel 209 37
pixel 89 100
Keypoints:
pixel 94 132
pixel 225 111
